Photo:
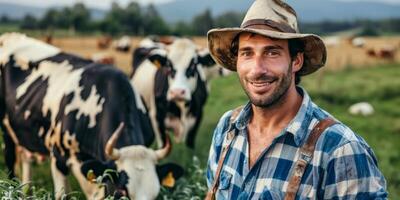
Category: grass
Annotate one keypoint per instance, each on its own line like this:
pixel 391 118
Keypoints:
pixel 335 92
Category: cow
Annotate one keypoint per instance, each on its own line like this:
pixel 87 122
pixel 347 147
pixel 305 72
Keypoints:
pixel 386 52
pixel 85 116
pixel 123 44
pixel 361 108
pixel 358 42
pixel 103 58
pixel 332 41
pixel 173 83
pixel 104 42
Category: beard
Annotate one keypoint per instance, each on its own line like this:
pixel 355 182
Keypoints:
pixel 274 97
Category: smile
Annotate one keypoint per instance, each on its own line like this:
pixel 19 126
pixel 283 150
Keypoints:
pixel 261 83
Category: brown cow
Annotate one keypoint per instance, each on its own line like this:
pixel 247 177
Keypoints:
pixel 103 58
pixel 104 42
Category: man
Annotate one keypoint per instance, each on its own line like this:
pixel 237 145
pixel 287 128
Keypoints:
pixel 281 145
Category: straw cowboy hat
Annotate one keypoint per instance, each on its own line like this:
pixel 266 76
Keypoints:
pixel 274 19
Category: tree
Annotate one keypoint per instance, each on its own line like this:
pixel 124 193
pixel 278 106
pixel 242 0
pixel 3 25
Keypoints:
pixel 5 19
pixel 49 19
pixel 202 23
pixel 112 22
pixel 132 19
pixel 64 19
pixel 229 19
pixel 29 22
pixel 80 17
pixel 182 28
pixel 153 23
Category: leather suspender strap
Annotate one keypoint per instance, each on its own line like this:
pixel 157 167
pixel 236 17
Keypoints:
pixel 211 193
pixel 306 154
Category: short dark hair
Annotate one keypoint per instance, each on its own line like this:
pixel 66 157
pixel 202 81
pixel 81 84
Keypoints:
pixel 296 46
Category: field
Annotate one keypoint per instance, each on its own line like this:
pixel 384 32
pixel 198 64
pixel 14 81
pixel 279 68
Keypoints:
pixel 349 77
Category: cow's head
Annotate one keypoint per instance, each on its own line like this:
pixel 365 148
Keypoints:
pixel 186 67
pixel 137 173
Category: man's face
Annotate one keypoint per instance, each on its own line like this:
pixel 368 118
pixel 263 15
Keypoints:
pixel 265 69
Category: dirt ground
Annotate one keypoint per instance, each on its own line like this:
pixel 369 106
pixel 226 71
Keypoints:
pixel 340 56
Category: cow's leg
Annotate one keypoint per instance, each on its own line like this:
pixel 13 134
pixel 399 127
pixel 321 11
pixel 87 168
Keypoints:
pixel 26 161
pixel 59 178
pixel 10 156
pixel 154 123
pixel 91 190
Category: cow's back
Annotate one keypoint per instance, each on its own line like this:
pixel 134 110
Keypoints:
pixel 61 100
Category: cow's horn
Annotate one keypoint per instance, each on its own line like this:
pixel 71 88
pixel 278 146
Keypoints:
pixel 162 153
pixel 111 153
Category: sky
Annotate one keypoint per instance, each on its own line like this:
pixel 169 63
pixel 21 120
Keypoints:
pixel 105 4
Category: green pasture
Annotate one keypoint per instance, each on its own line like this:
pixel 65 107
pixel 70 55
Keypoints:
pixel 333 91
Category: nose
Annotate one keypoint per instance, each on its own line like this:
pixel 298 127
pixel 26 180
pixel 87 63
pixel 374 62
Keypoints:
pixel 177 94
pixel 259 66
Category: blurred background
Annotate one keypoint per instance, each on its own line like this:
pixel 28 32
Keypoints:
pixel 362 38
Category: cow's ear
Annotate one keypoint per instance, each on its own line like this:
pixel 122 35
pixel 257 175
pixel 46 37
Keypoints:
pixel 205 59
pixel 158 57
pixel 92 169
pixel 169 173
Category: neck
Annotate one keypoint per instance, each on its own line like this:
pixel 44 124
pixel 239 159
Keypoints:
pixel 277 116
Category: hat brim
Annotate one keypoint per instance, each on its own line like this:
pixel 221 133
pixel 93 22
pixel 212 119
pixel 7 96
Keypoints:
pixel 220 41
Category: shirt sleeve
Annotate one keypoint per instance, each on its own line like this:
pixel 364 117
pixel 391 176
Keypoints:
pixel 216 146
pixel 352 173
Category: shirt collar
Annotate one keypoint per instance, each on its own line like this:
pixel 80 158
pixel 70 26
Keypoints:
pixel 298 126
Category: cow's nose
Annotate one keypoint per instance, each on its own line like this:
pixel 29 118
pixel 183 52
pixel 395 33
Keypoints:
pixel 177 94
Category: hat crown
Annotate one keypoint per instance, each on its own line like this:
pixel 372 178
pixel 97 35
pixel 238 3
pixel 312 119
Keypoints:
pixel 274 13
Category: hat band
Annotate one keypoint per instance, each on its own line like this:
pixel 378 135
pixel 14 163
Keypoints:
pixel 280 27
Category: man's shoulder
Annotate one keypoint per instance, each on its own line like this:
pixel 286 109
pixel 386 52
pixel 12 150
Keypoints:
pixel 339 135
pixel 224 123
pixel 222 127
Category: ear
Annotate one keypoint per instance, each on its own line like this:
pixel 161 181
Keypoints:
pixel 205 59
pixel 92 169
pixel 158 57
pixel 169 173
pixel 297 62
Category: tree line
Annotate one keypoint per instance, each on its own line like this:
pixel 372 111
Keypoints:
pixel 134 19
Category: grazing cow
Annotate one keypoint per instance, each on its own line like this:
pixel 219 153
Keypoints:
pixel 48 38
pixel 84 115
pixel 103 58
pixel 332 41
pixel 361 108
pixel 104 42
pixel 123 44
pixel 371 53
pixel 386 52
pixel 358 42
pixel 173 84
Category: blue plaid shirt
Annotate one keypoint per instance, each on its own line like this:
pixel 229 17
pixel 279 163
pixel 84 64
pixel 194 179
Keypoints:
pixel 343 166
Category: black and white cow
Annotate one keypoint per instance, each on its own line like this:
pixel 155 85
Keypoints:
pixel 85 115
pixel 172 79
pixel 123 44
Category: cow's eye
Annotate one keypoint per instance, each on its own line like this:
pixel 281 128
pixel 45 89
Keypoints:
pixel 191 70
pixel 172 72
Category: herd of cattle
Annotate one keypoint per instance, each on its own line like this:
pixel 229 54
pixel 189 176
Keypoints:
pixel 89 116
pixel 384 52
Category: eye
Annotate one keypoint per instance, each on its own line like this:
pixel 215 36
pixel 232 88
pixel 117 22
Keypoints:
pixel 273 53
pixel 245 53
pixel 172 72
pixel 191 70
